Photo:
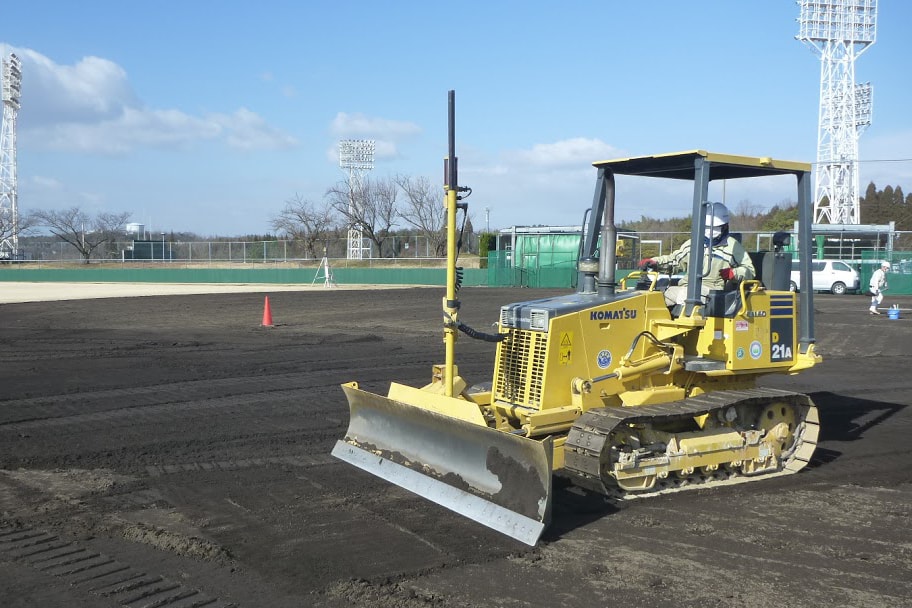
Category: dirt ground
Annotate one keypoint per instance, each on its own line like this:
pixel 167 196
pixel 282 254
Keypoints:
pixel 171 451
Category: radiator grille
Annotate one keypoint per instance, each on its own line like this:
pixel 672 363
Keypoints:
pixel 521 368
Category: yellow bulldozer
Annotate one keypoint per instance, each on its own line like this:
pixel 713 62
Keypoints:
pixel 607 386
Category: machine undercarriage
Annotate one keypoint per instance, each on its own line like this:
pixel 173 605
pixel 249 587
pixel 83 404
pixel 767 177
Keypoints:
pixel 722 437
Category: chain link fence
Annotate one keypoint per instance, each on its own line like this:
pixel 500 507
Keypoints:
pixel 401 249
pixel 539 261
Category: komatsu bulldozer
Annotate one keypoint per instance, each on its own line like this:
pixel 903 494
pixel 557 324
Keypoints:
pixel 607 386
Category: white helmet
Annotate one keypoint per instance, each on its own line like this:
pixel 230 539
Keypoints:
pixel 885 265
pixel 716 223
pixel 717 214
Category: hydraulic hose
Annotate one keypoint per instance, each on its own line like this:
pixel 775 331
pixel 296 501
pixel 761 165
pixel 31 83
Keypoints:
pixel 479 335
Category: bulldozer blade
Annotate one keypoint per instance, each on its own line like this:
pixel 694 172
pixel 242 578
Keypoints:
pixel 497 479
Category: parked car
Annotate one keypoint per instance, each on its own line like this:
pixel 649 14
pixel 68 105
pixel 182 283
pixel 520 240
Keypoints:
pixel 828 275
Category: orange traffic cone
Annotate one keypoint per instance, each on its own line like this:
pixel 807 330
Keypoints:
pixel 267 314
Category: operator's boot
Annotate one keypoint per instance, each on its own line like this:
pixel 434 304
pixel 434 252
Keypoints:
pixel 873 311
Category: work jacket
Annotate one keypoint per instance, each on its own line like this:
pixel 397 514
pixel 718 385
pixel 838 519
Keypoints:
pixel 729 253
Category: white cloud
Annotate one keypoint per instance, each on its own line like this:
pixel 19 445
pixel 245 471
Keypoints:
pixel 553 184
pixel 247 130
pixel 384 132
pixel 385 150
pixel 359 125
pixel 90 107
pixel 46 183
pixel 92 89
pixel 130 130
pixel 575 153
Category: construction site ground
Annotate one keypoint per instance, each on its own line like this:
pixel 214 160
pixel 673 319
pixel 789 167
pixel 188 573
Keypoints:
pixel 172 451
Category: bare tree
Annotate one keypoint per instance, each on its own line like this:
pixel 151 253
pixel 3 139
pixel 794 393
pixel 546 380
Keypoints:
pixel 424 210
pixel 82 231
pixel 10 229
pixel 747 217
pixel 372 207
pixel 304 221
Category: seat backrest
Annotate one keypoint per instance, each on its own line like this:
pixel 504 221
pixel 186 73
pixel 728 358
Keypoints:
pixel 721 303
pixel 773 268
pixel 777 268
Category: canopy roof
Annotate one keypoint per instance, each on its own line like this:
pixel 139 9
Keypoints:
pixel 680 165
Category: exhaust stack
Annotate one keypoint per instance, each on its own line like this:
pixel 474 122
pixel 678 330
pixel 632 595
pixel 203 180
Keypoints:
pixel 599 223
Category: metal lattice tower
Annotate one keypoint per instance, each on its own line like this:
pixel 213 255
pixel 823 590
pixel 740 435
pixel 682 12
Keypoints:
pixel 357 156
pixel 9 209
pixel 839 31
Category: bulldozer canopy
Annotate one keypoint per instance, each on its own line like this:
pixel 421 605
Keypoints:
pixel 680 165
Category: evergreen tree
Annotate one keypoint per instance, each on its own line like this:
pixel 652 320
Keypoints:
pixel 869 205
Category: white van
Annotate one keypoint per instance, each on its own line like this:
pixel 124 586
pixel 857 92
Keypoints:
pixel 828 275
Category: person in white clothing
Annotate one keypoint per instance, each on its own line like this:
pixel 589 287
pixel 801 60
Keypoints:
pixel 878 284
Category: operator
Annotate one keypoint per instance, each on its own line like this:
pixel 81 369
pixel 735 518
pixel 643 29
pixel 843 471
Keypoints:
pixel 728 260
pixel 877 286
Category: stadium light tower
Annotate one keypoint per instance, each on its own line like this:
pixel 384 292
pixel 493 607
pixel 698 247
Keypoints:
pixel 356 155
pixel 9 206
pixel 839 31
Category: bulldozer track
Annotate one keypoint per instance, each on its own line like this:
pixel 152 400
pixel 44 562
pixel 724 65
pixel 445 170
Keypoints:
pixel 591 432
pixel 76 565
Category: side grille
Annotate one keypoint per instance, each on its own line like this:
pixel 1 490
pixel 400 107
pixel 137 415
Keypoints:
pixel 505 317
pixel 521 368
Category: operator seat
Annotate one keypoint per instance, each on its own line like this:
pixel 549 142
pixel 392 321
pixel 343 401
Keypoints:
pixel 722 303
pixel 774 268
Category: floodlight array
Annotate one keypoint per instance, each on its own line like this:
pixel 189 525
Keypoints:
pixel 848 21
pixel 12 81
pixel 357 154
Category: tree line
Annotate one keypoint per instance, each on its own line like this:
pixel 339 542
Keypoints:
pixel 745 217
pixel 387 208
pixel 885 206
pixel 876 206
pixel 382 208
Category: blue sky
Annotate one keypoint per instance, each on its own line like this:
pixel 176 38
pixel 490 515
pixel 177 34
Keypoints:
pixel 208 116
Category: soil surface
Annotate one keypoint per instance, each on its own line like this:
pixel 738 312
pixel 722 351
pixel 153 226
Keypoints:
pixel 171 451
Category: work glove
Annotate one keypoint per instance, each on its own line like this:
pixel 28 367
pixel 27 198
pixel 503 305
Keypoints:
pixel 648 264
pixel 727 274
pixel 874 291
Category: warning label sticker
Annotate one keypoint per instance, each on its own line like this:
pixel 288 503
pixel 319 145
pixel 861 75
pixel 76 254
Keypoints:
pixel 566 346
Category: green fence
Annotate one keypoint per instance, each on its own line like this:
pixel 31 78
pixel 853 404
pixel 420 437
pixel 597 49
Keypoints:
pixel 531 272
pixel 472 277
pixel 899 277
pixel 500 273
